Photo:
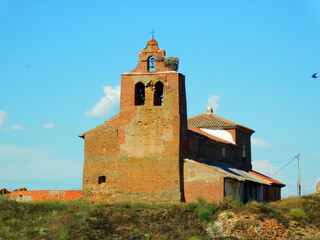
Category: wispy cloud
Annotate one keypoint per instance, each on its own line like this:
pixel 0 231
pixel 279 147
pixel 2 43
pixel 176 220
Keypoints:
pixel 3 117
pixel 257 142
pixel 16 127
pixel 315 154
pixel 266 168
pixel 213 102
pixel 106 104
pixel 48 125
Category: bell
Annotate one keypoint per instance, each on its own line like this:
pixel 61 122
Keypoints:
pixel 151 63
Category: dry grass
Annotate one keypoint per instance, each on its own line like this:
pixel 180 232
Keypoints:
pixel 79 220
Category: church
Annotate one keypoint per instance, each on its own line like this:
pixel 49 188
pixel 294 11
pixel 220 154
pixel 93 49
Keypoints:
pixel 151 151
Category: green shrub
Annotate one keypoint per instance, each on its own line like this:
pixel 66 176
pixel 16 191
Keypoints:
pixel 135 235
pixel 213 208
pixel 204 215
pixel 298 213
pixel 147 236
pixel 237 203
pixel 195 238
pixel 190 207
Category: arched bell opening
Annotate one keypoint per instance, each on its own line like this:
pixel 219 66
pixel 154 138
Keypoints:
pixel 140 97
pixel 151 64
pixel 158 94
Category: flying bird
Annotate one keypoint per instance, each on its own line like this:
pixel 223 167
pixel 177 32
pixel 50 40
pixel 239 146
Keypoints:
pixel 314 75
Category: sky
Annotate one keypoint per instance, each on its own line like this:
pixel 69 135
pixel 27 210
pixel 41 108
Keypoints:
pixel 61 65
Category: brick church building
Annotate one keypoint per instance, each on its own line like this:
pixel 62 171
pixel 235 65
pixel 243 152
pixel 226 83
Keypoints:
pixel 151 152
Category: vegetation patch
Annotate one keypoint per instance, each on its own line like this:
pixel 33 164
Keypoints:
pixel 298 213
pixel 200 220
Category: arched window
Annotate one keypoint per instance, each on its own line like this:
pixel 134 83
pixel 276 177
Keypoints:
pixel 151 64
pixel 139 94
pixel 158 94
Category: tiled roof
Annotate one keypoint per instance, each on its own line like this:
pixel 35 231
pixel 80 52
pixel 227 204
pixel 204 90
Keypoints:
pixel 234 172
pixel 210 120
pixel 229 170
pixel 214 138
pixel 267 178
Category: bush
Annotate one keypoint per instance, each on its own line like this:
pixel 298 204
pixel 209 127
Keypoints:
pixel 255 207
pixel 204 210
pixel 204 215
pixel 298 213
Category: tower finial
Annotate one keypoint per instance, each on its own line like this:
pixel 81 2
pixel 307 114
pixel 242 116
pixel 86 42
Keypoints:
pixel 152 32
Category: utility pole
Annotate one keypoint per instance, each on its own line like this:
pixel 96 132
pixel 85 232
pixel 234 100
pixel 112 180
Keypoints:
pixel 299 182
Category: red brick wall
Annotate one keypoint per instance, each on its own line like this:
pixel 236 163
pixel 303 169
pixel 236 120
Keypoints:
pixel 46 195
pixel 199 180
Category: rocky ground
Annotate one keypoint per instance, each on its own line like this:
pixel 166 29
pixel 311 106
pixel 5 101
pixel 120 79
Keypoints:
pixel 253 226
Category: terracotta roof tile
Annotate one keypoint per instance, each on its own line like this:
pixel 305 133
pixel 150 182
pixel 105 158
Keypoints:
pixel 267 178
pixel 210 120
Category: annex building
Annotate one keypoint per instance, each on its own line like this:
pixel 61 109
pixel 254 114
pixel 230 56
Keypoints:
pixel 151 151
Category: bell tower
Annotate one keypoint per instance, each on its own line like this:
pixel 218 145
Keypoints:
pixel 152 131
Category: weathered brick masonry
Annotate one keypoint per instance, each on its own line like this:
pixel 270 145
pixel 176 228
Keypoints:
pixel 45 195
pixel 139 151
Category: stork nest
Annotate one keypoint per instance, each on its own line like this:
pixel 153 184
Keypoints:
pixel 170 62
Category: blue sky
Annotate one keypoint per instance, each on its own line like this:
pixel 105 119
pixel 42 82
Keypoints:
pixel 61 65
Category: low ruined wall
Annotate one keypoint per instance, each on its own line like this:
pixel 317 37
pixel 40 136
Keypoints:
pixel 46 195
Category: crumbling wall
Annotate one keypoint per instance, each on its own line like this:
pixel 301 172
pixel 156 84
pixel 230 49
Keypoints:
pixel 46 195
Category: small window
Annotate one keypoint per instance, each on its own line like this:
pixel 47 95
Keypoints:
pixel 224 152
pixel 158 94
pixel 244 151
pixel 139 94
pixel 151 64
pixel 102 179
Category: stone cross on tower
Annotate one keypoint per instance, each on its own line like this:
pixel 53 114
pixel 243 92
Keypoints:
pixel 152 32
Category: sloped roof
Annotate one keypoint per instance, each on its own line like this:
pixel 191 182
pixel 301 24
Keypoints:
pixel 110 120
pixel 267 178
pixel 234 172
pixel 210 120
pixel 214 138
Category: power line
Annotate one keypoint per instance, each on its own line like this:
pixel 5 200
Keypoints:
pixel 283 167
pixel 284 160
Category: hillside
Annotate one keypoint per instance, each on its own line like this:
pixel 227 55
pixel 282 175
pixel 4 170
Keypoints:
pixel 291 218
